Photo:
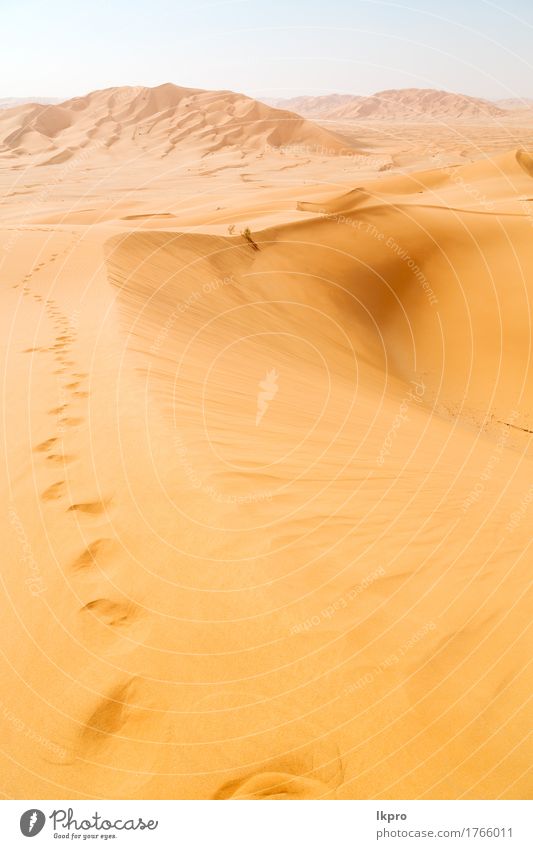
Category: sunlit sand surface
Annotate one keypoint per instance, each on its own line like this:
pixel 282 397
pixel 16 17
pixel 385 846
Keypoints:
pixel 268 483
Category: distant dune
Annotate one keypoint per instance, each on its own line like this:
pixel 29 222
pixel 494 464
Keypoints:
pixel 157 121
pixel 321 106
pixel 515 103
pixel 394 105
pixel 10 102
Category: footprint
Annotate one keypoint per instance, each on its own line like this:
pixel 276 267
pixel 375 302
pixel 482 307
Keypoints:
pixel 275 785
pixel 81 394
pixel 73 385
pixel 57 490
pixel 110 715
pixel 113 714
pixel 60 459
pixel 71 421
pixel 116 614
pixel 55 411
pixel 94 553
pixel 45 446
pixel 92 507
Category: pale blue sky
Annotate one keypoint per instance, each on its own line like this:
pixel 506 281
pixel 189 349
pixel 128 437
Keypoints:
pixel 267 47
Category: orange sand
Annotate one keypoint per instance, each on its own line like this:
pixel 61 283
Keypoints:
pixel 267 503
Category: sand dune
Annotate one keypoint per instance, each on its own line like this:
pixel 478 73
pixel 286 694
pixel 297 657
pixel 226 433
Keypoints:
pixel 266 513
pixel 158 122
pixel 10 102
pixel 518 103
pixel 406 104
pixel 319 106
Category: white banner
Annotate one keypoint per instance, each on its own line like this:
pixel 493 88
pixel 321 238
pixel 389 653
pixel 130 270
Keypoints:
pixel 276 825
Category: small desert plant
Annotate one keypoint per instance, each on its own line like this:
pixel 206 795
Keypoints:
pixel 231 229
pixel 247 234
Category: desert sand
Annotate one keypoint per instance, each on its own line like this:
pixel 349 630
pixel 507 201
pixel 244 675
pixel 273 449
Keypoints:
pixel 267 416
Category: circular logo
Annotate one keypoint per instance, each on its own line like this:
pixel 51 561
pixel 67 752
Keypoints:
pixel 32 822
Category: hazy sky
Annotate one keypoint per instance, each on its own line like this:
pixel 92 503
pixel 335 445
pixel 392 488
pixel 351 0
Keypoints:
pixel 267 47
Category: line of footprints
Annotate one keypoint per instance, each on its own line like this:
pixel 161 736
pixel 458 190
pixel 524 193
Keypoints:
pixel 71 388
